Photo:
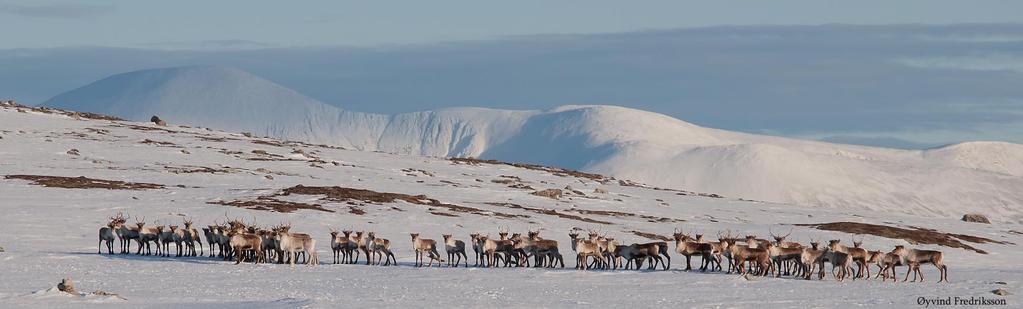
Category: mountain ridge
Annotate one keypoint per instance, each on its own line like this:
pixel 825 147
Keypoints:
pixel 612 140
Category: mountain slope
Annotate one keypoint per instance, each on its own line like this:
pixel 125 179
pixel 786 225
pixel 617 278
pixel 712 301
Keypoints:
pixel 210 177
pixel 622 142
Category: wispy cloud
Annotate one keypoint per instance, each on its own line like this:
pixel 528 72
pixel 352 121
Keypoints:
pixel 65 10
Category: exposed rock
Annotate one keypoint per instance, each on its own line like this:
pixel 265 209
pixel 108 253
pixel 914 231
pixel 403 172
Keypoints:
pixel 600 191
pixel 1000 292
pixel 73 152
pixel 551 193
pixel 67 286
pixel 158 121
pixel 975 217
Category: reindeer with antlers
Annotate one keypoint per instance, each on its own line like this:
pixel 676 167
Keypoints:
pixel 740 254
pixel 339 244
pixel 382 249
pixel 858 255
pixel 784 254
pixel 191 237
pixel 811 258
pixel 583 249
pixel 687 248
pixel 147 235
pixel 106 234
pixel 290 243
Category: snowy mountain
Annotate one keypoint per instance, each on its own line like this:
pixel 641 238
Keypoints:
pixel 626 143
pixel 62 175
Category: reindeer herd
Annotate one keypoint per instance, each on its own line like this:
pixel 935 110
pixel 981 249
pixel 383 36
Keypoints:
pixel 245 241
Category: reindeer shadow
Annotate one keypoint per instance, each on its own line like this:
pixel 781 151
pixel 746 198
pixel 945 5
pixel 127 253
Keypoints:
pixel 134 257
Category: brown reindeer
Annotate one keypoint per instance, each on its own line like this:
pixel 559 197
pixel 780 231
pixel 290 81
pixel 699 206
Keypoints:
pixel 427 247
pixel 858 255
pixel 241 243
pixel 685 246
pixel 915 257
pixel 584 249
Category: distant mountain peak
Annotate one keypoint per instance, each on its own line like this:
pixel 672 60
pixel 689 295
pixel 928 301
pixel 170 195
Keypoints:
pixel 611 140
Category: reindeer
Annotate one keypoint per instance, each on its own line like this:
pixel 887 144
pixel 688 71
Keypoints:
pixel 166 237
pixel 241 242
pixel 474 238
pixel 339 244
pixel 358 242
pixel 506 247
pixel 810 257
pixel 639 252
pixel 888 262
pixel 493 249
pixel 858 255
pixel 583 249
pixel 106 234
pixel 717 251
pixel 914 257
pixel 875 258
pixel 783 255
pixel 688 248
pixel 127 233
pixel 839 260
pixel 292 243
pixel 455 249
pixel 742 254
pixel 382 248
pixel 547 249
pixel 147 235
pixel 425 246
pixel 192 238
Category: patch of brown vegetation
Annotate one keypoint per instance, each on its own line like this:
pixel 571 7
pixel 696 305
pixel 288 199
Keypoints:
pixel 268 143
pixel 443 214
pixel 413 171
pixel 915 235
pixel 145 128
pixel 522 186
pixel 553 170
pixel 549 212
pixel 73 114
pixel 343 194
pixel 629 183
pixel 650 235
pixel 549 193
pixel 214 139
pixel 190 169
pixel 270 204
pixel 159 143
pixel 82 182
pixel 652 219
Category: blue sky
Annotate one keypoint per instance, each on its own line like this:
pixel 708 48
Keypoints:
pixel 907 74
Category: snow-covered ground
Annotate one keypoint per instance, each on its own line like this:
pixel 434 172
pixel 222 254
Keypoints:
pixel 656 149
pixel 51 233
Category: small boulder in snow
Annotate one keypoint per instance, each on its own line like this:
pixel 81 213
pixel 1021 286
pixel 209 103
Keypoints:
pixel 975 217
pixel 67 286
